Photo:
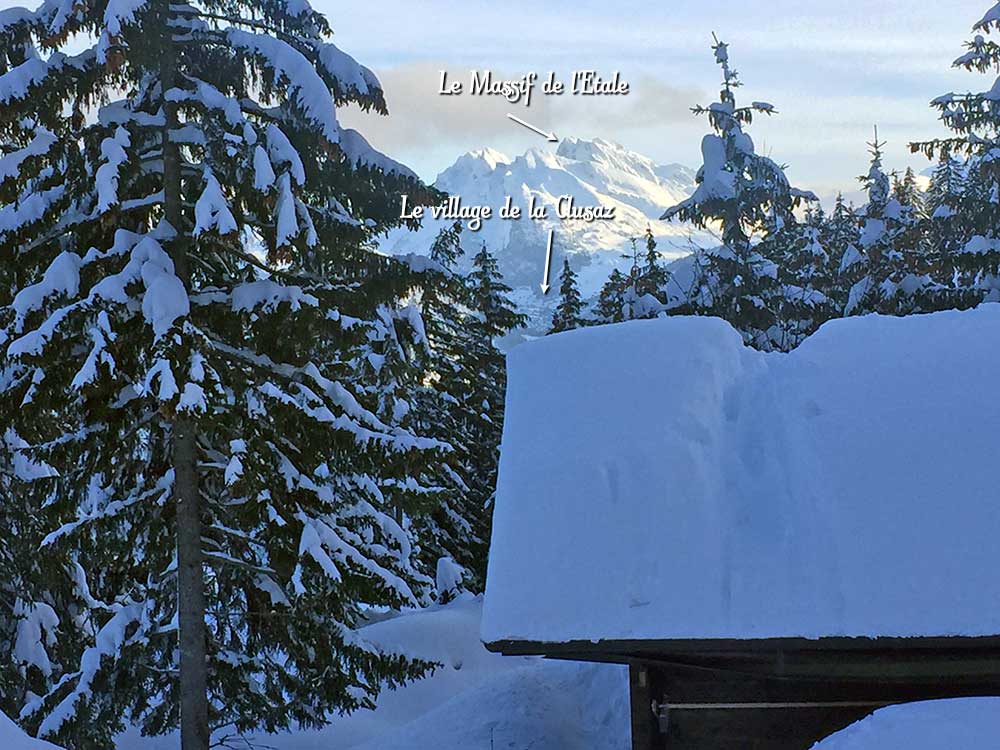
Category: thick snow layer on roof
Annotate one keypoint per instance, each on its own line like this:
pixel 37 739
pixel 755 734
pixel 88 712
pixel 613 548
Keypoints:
pixel 660 480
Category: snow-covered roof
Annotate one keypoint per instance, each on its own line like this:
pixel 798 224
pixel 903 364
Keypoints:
pixel 659 480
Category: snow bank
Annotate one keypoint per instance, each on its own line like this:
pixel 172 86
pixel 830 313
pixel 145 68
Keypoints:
pixel 660 480
pixel 12 738
pixel 475 695
pixel 934 725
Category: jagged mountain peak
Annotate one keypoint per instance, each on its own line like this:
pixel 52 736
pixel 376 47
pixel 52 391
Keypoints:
pixel 479 163
pixel 597 149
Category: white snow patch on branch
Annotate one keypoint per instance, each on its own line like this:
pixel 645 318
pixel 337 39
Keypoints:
pixel 61 277
pixel 10 165
pixel 282 151
pixel 287 223
pixel 36 633
pixel 304 84
pixel 269 294
pixel 212 210
pixel 263 173
pixel 113 156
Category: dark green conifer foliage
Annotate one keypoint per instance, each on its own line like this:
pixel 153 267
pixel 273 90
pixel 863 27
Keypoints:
pixel 495 316
pixel 970 263
pixel 611 299
pixel 452 394
pixel 201 351
pixel 654 273
pixel 569 312
pixel 807 277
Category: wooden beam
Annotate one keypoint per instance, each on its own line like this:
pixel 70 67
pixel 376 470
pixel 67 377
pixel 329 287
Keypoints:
pixel 644 728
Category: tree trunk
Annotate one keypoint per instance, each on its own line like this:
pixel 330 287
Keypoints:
pixel 190 592
pixel 190 580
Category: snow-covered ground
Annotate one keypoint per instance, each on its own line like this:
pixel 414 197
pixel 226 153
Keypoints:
pixel 532 704
pixel 959 724
pixel 473 697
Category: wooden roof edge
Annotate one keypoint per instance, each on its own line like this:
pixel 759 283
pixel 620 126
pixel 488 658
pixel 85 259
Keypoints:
pixel 625 650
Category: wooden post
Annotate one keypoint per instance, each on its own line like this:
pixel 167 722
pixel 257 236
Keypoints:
pixel 645 733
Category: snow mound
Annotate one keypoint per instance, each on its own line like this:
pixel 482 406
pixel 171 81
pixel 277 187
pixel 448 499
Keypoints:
pixel 933 725
pixel 660 480
pixel 548 706
pixel 520 702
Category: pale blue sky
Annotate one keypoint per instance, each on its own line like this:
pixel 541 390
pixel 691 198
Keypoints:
pixel 831 69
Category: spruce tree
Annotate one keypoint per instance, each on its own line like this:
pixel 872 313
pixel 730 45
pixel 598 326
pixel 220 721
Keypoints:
pixel 640 292
pixel 912 240
pixel 453 532
pixel 495 316
pixel 569 312
pixel 655 275
pixel 748 195
pixel 972 252
pixel 490 297
pixel 839 237
pixel 893 264
pixel 946 228
pixel 610 304
pixel 199 343
pixel 806 275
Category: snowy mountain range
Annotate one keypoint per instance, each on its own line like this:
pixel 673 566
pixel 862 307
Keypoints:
pixel 593 173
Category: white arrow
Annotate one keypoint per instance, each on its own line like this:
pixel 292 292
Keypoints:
pixel 548 265
pixel 550 137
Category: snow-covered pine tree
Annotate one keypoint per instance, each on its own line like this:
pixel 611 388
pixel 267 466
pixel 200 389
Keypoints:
pixel 490 297
pixel 610 304
pixel 453 532
pixel 747 194
pixel 839 237
pixel 805 272
pixel 640 293
pixel 655 275
pixel 495 317
pixel 974 248
pixel 569 311
pixel 877 259
pixel 912 241
pixel 891 268
pixel 946 229
pixel 196 339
